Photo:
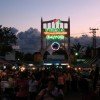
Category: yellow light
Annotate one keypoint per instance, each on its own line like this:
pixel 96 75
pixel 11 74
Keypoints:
pixel 55 33
pixel 43 68
pixel 68 66
pixel 79 68
pixel 76 69
pixel 13 67
pixel 22 69
pixel 33 68
pixel 31 65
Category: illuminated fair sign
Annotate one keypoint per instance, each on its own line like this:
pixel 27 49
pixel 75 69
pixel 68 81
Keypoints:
pixel 55 37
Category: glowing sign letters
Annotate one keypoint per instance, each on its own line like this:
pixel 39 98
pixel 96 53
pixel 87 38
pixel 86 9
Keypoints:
pixel 54 30
pixel 55 37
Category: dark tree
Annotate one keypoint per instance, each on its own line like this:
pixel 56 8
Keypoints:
pixel 19 55
pixel 46 54
pixel 88 52
pixel 7 39
pixel 77 49
pixel 28 57
pixel 37 57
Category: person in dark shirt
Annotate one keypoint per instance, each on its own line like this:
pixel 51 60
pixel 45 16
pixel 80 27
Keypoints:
pixel 22 87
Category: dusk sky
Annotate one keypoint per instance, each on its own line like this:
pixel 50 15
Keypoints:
pixel 23 14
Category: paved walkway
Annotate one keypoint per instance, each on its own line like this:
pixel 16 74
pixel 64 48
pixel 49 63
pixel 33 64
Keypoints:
pixel 73 96
pixel 78 96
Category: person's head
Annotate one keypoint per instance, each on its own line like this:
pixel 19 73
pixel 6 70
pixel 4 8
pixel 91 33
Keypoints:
pixel 23 75
pixel 51 84
pixel 32 77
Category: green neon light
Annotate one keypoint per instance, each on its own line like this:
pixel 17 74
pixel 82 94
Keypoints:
pixel 54 37
pixel 54 30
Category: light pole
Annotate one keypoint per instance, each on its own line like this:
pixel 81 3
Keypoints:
pixel 94 40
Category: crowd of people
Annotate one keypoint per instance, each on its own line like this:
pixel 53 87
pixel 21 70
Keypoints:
pixel 48 84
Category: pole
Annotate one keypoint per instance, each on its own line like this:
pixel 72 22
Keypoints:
pixel 69 60
pixel 41 35
pixel 94 40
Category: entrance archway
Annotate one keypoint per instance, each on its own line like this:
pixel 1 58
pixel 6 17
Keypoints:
pixel 57 31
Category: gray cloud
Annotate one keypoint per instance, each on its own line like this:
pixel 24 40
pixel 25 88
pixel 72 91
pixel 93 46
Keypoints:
pixel 29 41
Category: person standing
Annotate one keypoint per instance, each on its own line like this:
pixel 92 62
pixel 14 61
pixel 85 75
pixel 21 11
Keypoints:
pixel 22 87
pixel 33 84
pixel 51 92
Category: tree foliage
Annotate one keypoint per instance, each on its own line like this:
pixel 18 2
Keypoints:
pixel 28 57
pixel 46 54
pixel 7 39
pixel 79 49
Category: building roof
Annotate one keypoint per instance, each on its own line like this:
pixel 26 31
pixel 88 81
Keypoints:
pixel 87 62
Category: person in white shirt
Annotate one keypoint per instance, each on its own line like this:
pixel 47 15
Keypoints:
pixel 51 92
pixel 33 83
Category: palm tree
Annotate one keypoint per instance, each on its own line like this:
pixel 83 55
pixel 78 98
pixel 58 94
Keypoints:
pixel 78 50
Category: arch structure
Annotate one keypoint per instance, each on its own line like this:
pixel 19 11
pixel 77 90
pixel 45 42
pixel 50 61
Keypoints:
pixel 55 30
